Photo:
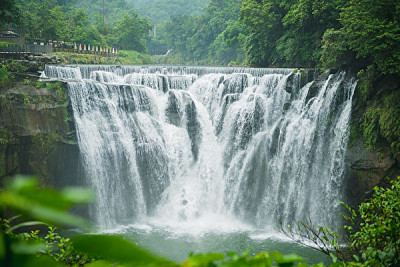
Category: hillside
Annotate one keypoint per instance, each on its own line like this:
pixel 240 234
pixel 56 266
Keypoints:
pixel 159 10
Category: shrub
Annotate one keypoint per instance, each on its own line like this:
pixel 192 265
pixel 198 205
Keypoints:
pixel 4 75
pixel 378 240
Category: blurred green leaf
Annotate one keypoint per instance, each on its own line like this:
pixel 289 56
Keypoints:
pixel 204 259
pixel 2 247
pixel 34 261
pixel 78 195
pixel 288 260
pixel 277 255
pixel 333 257
pixel 44 204
pixel 22 183
pixel 99 263
pixel 266 257
pixel 114 248
pixel 233 255
pixel 27 247
pixel 24 224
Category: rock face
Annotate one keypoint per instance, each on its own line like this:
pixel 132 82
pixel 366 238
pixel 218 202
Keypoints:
pixel 181 111
pixel 366 170
pixel 30 62
pixel 37 135
pixel 381 163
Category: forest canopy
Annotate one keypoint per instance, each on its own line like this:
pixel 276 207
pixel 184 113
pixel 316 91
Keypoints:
pixel 263 33
pixel 114 24
pixel 288 33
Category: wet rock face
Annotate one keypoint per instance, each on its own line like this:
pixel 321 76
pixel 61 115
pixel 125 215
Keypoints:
pixel 366 170
pixel 37 134
pixel 193 128
pixel 172 111
pixel 236 84
pixel 27 111
pixel 181 111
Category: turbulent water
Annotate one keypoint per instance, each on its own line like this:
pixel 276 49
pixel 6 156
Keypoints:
pixel 217 148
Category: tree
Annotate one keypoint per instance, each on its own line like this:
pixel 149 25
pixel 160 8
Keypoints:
pixel 264 21
pixel 131 31
pixel 82 31
pixel 372 30
pixel 9 12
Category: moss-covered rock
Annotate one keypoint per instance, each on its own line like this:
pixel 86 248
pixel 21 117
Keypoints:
pixel 37 132
pixel 374 146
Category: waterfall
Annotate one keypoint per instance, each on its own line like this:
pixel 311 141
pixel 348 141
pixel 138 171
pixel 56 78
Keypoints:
pixel 178 144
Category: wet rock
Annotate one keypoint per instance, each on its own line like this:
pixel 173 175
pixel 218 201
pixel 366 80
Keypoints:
pixel 317 84
pixel 366 170
pixel 181 111
pixel 172 111
pixel 193 127
pixel 165 85
pixel 275 141
pixel 227 100
pixel 40 135
pixel 236 83
pixel 287 106
pixel 292 83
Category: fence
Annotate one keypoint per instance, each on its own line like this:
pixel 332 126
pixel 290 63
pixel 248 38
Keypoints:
pixel 93 52
pixel 17 48
pixel 11 44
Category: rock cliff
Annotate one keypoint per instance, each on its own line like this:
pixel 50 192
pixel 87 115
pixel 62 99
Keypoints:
pixel 37 133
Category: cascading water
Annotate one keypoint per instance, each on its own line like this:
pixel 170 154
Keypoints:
pixel 183 145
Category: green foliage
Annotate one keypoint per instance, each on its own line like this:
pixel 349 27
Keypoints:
pixel 4 45
pixel 161 10
pixel 83 22
pixel 114 249
pixel 334 49
pixel 4 75
pixel 382 124
pixel 57 87
pixel 46 141
pixel 5 136
pixel 9 13
pixel 378 240
pixel 113 11
pixel 372 232
pixel 318 237
pixel 372 30
pixel 54 245
pixel 132 31
pixel 15 66
pixel 25 196
pixel 123 58
pixel 20 248
pixel 287 33
pixel 215 37
pixel 126 57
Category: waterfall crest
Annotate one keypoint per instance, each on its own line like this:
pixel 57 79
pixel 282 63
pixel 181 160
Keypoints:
pixel 183 143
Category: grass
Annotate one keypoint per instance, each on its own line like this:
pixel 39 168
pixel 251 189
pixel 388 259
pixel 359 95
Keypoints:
pixel 123 58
